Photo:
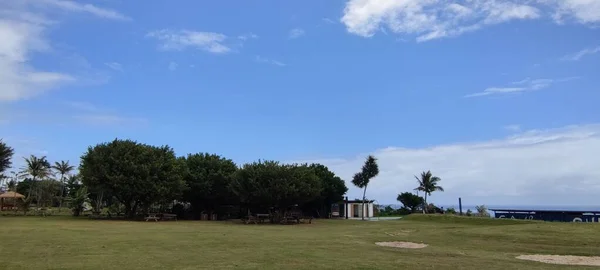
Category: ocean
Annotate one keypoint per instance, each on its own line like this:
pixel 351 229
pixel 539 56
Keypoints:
pixel 514 207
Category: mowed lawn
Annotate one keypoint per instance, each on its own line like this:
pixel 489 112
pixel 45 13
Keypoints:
pixel 62 242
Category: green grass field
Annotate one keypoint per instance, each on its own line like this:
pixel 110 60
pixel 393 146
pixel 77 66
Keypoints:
pixel 61 242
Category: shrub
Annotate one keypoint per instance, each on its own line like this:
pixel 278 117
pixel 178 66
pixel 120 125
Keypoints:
pixel 482 211
pixel 469 213
pixel 432 209
pixel 451 211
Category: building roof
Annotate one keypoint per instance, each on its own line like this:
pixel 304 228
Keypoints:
pixel 11 194
pixel 359 201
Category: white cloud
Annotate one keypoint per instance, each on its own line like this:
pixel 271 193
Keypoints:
pixel 433 19
pixel 296 33
pixel 261 59
pixel 582 11
pixel 247 36
pixel 513 128
pixel 172 66
pixel 72 6
pixel 182 39
pixel 22 33
pixel 580 54
pixel 524 81
pixel 18 80
pixel 115 66
pixel 497 90
pixel 547 167
pixel 90 114
pixel 328 20
pixel 526 84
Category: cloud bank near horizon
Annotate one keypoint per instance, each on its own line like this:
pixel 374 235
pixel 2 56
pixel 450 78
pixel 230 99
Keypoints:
pixel 537 167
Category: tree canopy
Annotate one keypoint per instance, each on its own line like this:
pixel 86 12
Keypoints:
pixel 38 168
pixel 208 178
pixel 138 175
pixel 410 201
pixel 270 183
pixel 63 168
pixel 125 176
pixel 369 170
pixel 6 154
pixel 428 184
pixel 333 190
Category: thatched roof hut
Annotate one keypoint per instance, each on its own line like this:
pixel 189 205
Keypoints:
pixel 11 194
pixel 8 200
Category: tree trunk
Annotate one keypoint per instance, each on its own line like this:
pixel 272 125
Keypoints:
pixel 127 206
pixel 425 204
pixel 62 191
pixel 134 210
pixel 364 201
pixel 31 186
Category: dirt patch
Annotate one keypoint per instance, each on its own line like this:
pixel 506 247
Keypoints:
pixel 563 259
pixel 401 244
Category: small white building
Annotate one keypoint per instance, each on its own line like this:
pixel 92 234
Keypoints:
pixel 354 209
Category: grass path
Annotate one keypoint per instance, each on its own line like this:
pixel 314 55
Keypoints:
pixel 456 243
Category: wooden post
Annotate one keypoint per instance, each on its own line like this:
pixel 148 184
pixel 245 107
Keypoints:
pixel 346 207
pixel 460 205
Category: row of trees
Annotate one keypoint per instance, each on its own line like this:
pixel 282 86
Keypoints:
pixel 43 182
pixel 132 178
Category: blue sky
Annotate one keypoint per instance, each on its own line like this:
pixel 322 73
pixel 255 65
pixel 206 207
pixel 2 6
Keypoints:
pixel 497 97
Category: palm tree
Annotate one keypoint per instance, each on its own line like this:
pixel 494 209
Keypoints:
pixel 37 168
pixel 369 170
pixel 428 184
pixel 64 169
pixel 11 181
pixel 11 185
pixel 6 154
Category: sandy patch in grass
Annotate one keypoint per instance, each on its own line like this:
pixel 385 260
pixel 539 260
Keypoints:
pixel 400 244
pixel 563 259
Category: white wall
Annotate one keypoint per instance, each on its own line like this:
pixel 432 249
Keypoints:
pixel 350 210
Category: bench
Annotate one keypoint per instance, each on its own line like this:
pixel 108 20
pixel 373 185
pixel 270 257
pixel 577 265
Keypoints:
pixel 250 219
pixel 309 218
pixel 152 217
pixel 169 217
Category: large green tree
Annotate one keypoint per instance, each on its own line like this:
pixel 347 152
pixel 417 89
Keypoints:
pixel 333 191
pixel 428 184
pixel 369 170
pixel 271 184
pixel 208 177
pixel 6 154
pixel 410 201
pixel 63 168
pixel 138 175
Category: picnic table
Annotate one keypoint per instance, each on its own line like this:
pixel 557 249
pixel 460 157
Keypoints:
pixel 42 211
pixel 263 217
pixel 152 217
pixel 250 219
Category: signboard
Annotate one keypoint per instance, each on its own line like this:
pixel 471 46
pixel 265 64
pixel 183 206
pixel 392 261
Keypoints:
pixel 561 216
